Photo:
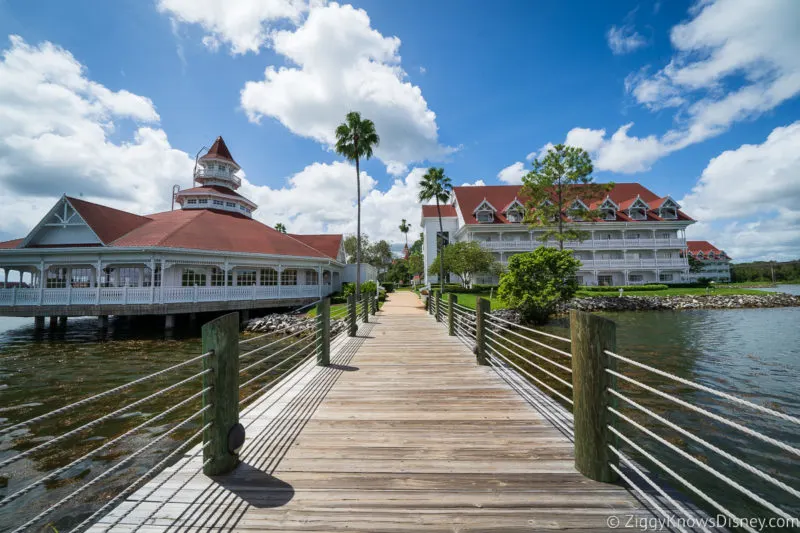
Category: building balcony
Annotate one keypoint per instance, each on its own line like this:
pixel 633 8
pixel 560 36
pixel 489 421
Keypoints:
pixel 156 295
pixel 589 244
pixel 208 173
pixel 630 263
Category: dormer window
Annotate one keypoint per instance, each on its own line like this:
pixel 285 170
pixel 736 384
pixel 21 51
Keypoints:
pixel 608 209
pixel 668 209
pixel 638 209
pixel 515 211
pixel 514 215
pixel 485 216
pixel 484 213
pixel 576 209
pixel 609 214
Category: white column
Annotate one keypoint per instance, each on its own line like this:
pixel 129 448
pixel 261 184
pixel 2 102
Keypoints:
pixel 280 275
pixel 5 278
pixel 319 280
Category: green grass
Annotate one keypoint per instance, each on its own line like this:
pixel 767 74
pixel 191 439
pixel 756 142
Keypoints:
pixel 470 300
pixel 335 309
pixel 699 291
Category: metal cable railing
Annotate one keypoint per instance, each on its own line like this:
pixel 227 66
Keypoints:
pixel 732 486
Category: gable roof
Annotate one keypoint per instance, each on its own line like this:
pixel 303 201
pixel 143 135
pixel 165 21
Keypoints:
pixel 7 245
pixel 327 244
pixel 219 150
pixel 706 247
pixel 106 222
pixel 429 211
pixel 468 198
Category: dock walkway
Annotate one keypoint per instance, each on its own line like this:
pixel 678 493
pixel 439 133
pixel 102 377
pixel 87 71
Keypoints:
pixel 403 432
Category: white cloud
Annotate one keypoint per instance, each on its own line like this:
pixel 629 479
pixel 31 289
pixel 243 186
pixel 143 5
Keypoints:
pixel 476 183
pixel 343 64
pixel 244 25
pixel 321 198
pixel 513 173
pixel 749 198
pixel 55 125
pixel 624 39
pixel 395 168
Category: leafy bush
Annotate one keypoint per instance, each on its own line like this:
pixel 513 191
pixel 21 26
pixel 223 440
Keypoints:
pixel 389 286
pixel 536 282
pixel 366 287
pixel 651 287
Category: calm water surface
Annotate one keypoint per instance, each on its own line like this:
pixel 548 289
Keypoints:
pixel 753 353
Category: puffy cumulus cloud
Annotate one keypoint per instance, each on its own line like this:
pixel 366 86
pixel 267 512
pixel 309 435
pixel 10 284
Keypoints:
pixel 244 25
pixel 55 125
pixel 624 39
pixel 321 198
pixel 343 64
pixel 476 183
pixel 513 173
pixel 749 198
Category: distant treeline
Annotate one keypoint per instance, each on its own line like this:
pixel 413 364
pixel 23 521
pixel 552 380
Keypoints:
pixel 763 270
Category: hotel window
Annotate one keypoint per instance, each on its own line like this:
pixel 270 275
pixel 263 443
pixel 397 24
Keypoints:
pixel 202 201
pixel 230 204
pixel 666 235
pixel 634 236
pixel 485 216
pixel 289 277
pixel 609 214
pixel 218 277
pixel 637 213
pixel 218 202
pixel 635 278
pixel 605 280
pixel 190 278
pixel 245 277
pixel 312 278
pixel 665 276
pixel 668 212
pixel 269 276
pixel 191 201
pixel 514 215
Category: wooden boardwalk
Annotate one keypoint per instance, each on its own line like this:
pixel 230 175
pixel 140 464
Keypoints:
pixel 404 432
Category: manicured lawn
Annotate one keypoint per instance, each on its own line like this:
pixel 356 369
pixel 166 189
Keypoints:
pixel 700 291
pixel 335 309
pixel 470 300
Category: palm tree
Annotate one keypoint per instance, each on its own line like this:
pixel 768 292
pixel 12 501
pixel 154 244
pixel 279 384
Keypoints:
pixel 280 227
pixel 404 229
pixel 355 139
pixel 436 186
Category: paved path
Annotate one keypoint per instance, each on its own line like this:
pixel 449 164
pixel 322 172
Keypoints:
pixel 405 432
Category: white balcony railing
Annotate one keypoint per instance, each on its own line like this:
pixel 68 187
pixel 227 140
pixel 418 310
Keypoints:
pixel 151 295
pixel 599 244
pixel 213 173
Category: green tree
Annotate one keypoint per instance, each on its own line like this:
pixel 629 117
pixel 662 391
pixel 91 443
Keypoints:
pixel 398 272
pixel 416 248
pixel 280 227
pixel 695 265
pixel 351 246
pixel 561 186
pixel 416 264
pixel 436 186
pixel 380 254
pixel 536 282
pixel 404 229
pixel 465 259
pixel 355 140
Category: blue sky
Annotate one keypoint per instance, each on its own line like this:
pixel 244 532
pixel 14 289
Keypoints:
pixel 473 87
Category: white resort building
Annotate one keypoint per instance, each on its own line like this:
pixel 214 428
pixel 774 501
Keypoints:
pixel 716 263
pixel 640 238
pixel 208 254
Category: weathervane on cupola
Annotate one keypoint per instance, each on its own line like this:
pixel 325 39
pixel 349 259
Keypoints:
pixel 215 172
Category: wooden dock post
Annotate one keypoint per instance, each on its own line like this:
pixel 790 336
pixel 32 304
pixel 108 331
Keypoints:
pixel 221 338
pixel 591 335
pixel 324 332
pixel 482 308
pixel 428 306
pixel 374 306
pixel 351 316
pixel 365 308
pixel 451 318
pixel 436 300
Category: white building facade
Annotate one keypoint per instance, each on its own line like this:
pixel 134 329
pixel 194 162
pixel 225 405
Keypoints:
pixel 640 238
pixel 716 264
pixel 84 258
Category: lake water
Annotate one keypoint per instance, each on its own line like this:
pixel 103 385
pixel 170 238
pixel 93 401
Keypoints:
pixel 753 353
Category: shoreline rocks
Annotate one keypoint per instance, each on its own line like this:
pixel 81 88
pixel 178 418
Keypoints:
pixel 677 303
pixel 278 321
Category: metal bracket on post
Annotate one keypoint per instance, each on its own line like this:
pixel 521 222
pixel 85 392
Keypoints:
pixel 591 335
pixel 226 435
pixel 482 308
pixel 351 316
pixel 324 332
pixel 451 319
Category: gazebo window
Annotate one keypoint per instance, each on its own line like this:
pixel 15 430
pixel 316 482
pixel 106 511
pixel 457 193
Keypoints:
pixel 191 201
pixel 269 276
pixel 289 277
pixel 56 278
pixel 312 278
pixel 190 278
pixel 157 276
pixel 81 278
pixel 219 202
pixel 128 277
pixel 218 277
pixel 246 277
pixel 202 201
pixel 230 204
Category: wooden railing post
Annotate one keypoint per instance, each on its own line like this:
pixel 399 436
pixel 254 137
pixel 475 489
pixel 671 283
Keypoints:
pixel 324 332
pixel 365 307
pixel 436 300
pixel 451 319
pixel 591 335
pixel 482 308
pixel 221 338
pixel 374 306
pixel 428 306
pixel 351 315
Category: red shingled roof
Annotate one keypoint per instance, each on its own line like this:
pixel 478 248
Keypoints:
pixel 208 229
pixel 219 150
pixel 107 223
pixel 468 198
pixel 706 247
pixel 430 211
pixel 327 244
pixel 7 245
